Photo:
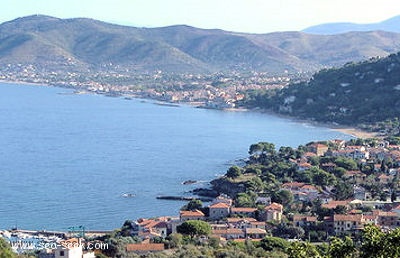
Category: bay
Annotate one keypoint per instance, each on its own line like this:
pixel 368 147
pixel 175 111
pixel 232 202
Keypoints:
pixel 66 160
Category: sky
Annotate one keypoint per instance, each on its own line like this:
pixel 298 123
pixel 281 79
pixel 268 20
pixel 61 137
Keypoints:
pixel 252 16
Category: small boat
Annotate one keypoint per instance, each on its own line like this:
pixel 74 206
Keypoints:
pixel 128 195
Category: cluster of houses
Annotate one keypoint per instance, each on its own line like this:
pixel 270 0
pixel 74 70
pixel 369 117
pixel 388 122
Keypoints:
pixel 240 223
pixel 363 208
pixel 226 221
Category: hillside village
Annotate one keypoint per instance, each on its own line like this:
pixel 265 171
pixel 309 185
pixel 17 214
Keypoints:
pixel 350 184
pixel 333 217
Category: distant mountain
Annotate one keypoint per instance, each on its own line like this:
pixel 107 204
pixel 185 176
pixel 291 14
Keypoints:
pixel 391 25
pixel 357 93
pixel 81 44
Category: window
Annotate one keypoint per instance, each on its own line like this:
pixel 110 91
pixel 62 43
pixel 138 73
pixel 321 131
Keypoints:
pixel 62 253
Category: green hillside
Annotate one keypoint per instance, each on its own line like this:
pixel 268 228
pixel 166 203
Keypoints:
pixel 82 44
pixel 362 94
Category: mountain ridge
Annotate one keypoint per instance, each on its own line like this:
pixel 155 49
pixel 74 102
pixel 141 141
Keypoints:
pixel 390 25
pixel 83 43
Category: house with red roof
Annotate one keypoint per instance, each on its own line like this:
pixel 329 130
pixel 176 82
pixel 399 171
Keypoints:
pixel 191 215
pixel 348 223
pixel 144 248
pixel 318 148
pixel 230 233
pixel 334 204
pixel 219 211
pixel 300 220
pixel 244 212
pixel 273 212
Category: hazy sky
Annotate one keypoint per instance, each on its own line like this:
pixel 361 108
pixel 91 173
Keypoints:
pixel 258 16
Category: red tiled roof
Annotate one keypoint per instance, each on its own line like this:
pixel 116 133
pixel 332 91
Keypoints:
pixel 334 204
pixel 219 205
pixel 243 209
pixel 387 214
pixel 236 231
pixel 195 213
pixel 274 206
pixel 346 217
pixel 255 231
pixel 292 185
pixel 309 154
pixel 308 187
pixel 305 165
pixel 256 223
pixel 144 247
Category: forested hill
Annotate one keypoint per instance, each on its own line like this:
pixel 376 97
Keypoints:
pixel 76 45
pixel 356 94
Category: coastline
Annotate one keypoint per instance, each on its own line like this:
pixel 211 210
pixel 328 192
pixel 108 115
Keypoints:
pixel 349 130
pixel 356 132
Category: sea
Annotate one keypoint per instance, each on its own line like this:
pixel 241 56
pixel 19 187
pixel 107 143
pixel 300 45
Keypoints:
pixel 69 160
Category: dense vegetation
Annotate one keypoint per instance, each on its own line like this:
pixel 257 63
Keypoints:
pixel 364 94
pixel 375 243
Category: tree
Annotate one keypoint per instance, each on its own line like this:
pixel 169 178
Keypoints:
pixel 234 172
pixel 245 200
pixel 194 204
pixel 343 248
pixel 194 228
pixel 302 250
pixel 5 250
pixel 379 244
pixel 255 184
pixel 127 228
pixel 285 231
pixel 322 178
pixel 174 240
pixel 283 197
pixel 262 148
pixel 343 190
pixel 346 163
pixel 274 243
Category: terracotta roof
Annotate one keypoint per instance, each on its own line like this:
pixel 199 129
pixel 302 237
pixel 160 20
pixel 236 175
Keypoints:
pixel 299 217
pixel 219 205
pixel 292 185
pixel 346 217
pixel 334 204
pixel 255 231
pixel 369 217
pixel 195 213
pixel 144 247
pixel 236 231
pixel 257 223
pixel 309 187
pixel 244 240
pixel 274 206
pixel 387 214
pixel 305 165
pixel 243 209
pixel 309 154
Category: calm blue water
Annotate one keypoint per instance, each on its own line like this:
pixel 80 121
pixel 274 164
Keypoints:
pixel 65 160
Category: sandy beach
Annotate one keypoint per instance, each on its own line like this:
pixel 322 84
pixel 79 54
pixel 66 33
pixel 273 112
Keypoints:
pixel 356 132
